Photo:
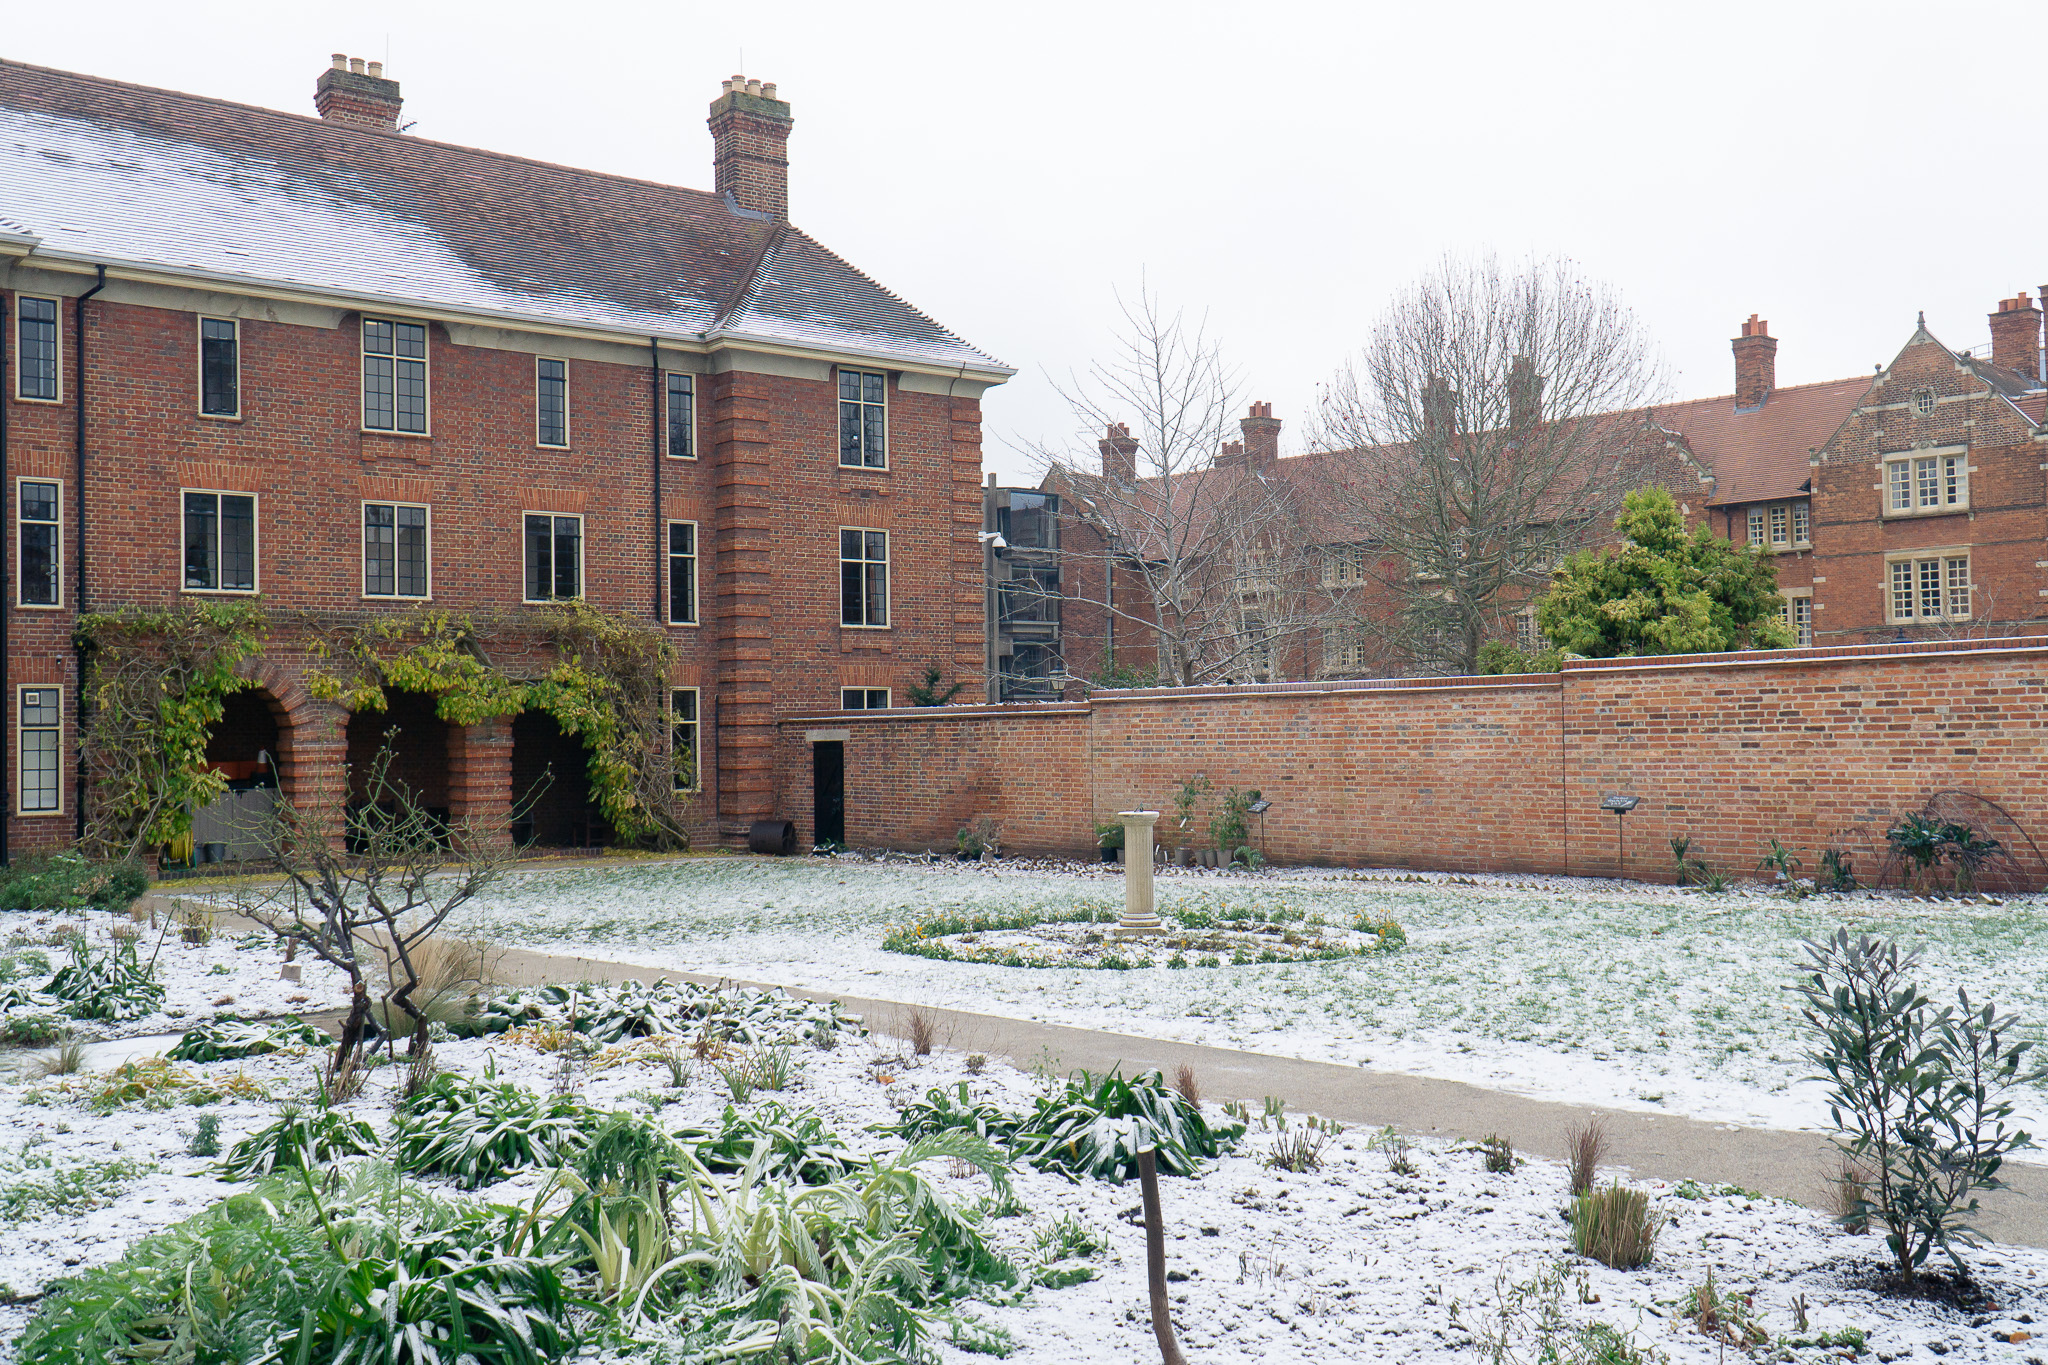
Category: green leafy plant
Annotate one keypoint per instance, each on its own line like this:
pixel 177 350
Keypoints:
pixel 927 692
pixel 32 1185
pixel 955 1111
pixel 1782 862
pixel 1919 841
pixel 33 1029
pixel 478 1132
pixel 788 1145
pixel 106 985
pixel 1400 1152
pixel 1615 1226
pixel 1300 1147
pixel 1920 1097
pixel 1231 828
pixel 1097 1124
pixel 1498 1154
pixel 230 1039
pixel 1835 870
pixel 205 1136
pixel 1109 834
pixel 495 1311
pixel 298 1140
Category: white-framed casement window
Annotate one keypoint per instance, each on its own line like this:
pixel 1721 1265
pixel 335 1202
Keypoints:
pixel 682 416
pixel 863 419
pixel 1756 527
pixel 554 556
pixel 863 698
pixel 1527 636
pixel 1917 483
pixel 683 735
pixel 220 368
pixel 1928 585
pixel 397 550
pixel 550 402
pixel 39 350
pixel 220 540
pixel 1802 524
pixel 863 577
pixel 1797 613
pixel 1343 655
pixel 1343 565
pixel 682 573
pixel 1780 526
pixel 39 542
pixel 39 737
pixel 395 376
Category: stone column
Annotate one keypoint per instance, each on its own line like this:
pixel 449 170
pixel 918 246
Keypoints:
pixel 1141 914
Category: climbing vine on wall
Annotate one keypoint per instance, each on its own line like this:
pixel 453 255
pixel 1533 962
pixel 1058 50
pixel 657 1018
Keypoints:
pixel 156 683
pixel 602 676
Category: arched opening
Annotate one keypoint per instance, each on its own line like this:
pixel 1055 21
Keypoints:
pixel 243 747
pixel 418 739
pixel 551 800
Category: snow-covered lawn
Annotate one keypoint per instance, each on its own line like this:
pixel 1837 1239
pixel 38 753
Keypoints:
pixel 1352 1261
pixel 1572 989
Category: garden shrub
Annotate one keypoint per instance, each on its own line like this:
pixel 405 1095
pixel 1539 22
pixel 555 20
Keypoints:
pixel 1920 1096
pixel 943 1111
pixel 228 1039
pixel 69 881
pixel 109 985
pixel 794 1145
pixel 478 1132
pixel 1615 1226
pixel 606 1014
pixel 1097 1125
pixel 299 1141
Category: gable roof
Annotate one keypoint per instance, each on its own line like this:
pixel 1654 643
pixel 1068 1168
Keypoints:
pixel 103 171
pixel 1760 453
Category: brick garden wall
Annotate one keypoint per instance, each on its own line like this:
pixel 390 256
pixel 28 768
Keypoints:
pixel 1815 747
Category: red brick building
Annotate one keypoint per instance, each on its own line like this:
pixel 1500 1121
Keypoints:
pixel 345 371
pixel 1911 504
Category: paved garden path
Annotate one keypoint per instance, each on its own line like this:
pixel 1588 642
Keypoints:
pixel 1651 1146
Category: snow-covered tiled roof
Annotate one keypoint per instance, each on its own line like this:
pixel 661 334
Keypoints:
pixel 123 174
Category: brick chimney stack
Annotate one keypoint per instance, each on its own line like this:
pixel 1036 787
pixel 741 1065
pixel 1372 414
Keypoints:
pixel 1525 394
pixel 1261 436
pixel 2016 336
pixel 1756 364
pixel 355 92
pixel 1119 454
pixel 750 146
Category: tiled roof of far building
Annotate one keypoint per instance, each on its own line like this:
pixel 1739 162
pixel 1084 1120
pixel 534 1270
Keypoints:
pixel 109 172
pixel 1762 452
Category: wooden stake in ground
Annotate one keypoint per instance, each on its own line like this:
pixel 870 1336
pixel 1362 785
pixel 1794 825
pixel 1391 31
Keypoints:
pixel 1155 1257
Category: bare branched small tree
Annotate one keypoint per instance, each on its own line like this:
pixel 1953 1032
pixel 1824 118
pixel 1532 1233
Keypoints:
pixel 1201 562
pixel 1490 427
pixel 376 896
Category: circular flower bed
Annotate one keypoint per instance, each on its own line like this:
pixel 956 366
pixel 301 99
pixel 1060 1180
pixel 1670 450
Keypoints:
pixel 1195 936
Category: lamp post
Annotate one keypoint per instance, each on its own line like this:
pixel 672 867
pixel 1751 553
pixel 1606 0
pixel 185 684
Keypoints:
pixel 1141 912
pixel 1620 805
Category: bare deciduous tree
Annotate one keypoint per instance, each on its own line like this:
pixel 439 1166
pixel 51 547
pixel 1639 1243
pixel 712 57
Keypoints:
pixel 1490 427
pixel 378 897
pixel 1203 562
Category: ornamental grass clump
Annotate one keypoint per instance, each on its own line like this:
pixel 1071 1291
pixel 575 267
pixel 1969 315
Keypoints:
pixel 108 985
pixel 299 1141
pixel 1615 1226
pixel 478 1132
pixel 1920 1097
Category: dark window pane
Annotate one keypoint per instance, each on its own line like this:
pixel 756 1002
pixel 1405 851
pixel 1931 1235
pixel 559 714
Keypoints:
pixel 39 565
pixel 849 385
pixel 38 350
pixel 218 382
pixel 878 545
pixel 849 433
pixel 568 557
pixel 682 572
pixel 878 595
pixel 412 396
pixel 377 337
pixel 873 389
pixel 682 410
pixel 380 545
pixel 379 394
pixel 39 502
pixel 540 559
pixel 202 540
pixel 553 400
pixel 238 542
pixel 849 545
pixel 412 552
pixel 851 596
pixel 412 340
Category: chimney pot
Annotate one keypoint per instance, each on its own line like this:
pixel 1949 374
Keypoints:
pixel 1119 454
pixel 2016 335
pixel 768 90
pixel 1756 363
pixel 1261 435
pixel 340 62
pixel 355 64
pixel 377 70
pixel 356 92
pixel 750 148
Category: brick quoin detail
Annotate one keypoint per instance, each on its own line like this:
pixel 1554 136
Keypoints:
pixel 1820 748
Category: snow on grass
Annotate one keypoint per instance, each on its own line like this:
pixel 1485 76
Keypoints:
pixel 1568 989
pixel 1351 1261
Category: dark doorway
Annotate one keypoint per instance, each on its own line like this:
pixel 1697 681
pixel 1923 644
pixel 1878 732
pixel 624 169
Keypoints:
pixel 241 747
pixel 828 793
pixel 551 803
pixel 418 739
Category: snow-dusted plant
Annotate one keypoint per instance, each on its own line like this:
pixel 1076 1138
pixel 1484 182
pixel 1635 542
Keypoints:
pixel 299 1141
pixel 480 1132
pixel 1920 1096
pixel 109 985
pixel 230 1039
pixel 1098 1124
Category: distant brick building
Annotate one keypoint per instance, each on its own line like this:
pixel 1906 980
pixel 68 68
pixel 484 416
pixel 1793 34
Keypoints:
pixel 1911 504
pixel 347 371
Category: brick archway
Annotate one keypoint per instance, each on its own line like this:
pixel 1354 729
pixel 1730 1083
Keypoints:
pixel 311 750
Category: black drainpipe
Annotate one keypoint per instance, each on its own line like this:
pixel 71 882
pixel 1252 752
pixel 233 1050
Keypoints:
pixel 660 525
pixel 6 785
pixel 78 495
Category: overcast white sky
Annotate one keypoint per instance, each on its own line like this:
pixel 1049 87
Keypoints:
pixel 1283 167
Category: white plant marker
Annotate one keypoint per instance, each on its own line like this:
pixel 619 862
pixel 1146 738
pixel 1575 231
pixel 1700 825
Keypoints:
pixel 1141 914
